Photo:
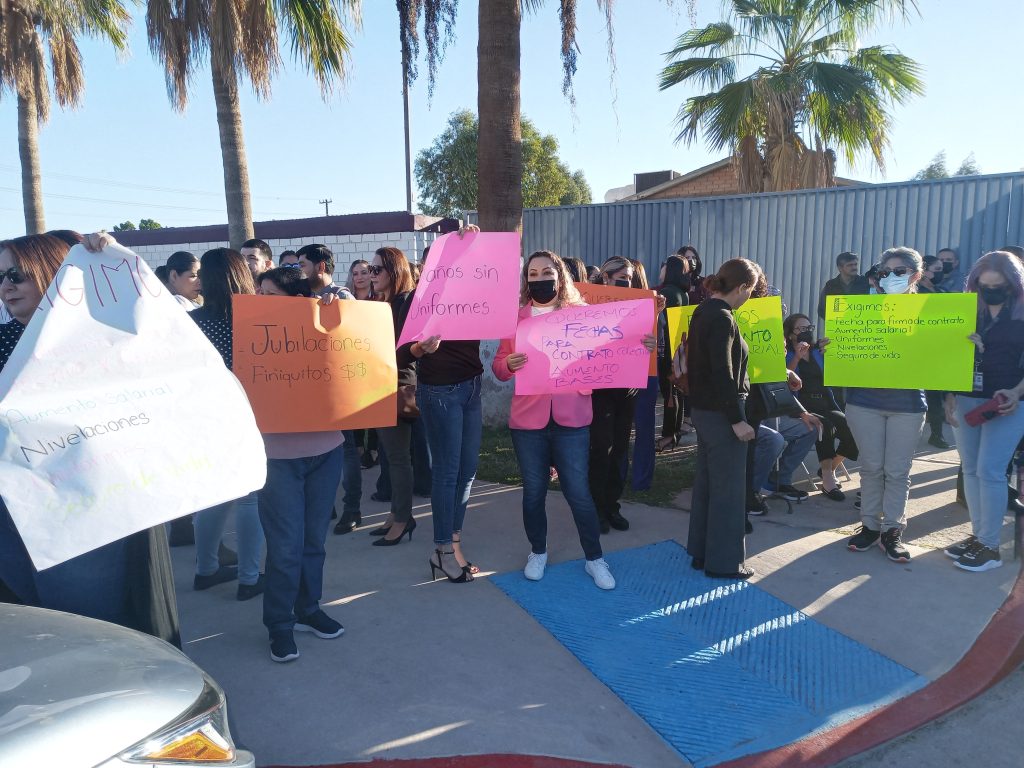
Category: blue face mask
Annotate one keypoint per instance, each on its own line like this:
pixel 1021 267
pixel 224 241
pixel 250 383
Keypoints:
pixel 895 283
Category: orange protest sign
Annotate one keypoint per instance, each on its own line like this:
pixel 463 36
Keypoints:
pixel 307 367
pixel 602 294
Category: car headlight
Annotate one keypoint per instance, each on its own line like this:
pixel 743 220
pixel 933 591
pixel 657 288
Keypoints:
pixel 199 735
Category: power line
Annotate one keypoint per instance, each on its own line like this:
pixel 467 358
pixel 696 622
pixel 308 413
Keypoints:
pixel 147 187
pixel 147 205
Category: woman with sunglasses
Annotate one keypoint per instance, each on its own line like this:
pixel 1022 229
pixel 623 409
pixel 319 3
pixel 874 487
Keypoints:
pixel 392 282
pixel 808 360
pixel 886 424
pixel 551 430
pixel 128 582
pixel 986 449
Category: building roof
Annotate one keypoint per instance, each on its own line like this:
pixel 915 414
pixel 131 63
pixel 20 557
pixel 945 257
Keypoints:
pixel 280 229
pixel 711 167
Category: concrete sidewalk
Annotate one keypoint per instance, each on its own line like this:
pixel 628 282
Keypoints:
pixel 435 669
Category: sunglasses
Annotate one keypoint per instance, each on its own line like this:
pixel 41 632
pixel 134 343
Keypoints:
pixel 375 270
pixel 898 271
pixel 13 275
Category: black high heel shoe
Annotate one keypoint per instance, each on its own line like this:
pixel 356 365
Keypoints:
pixel 443 559
pixel 386 542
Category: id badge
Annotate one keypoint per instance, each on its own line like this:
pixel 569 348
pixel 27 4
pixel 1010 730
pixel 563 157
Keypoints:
pixel 979 384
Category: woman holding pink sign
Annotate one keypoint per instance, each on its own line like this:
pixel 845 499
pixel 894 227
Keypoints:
pixel 551 429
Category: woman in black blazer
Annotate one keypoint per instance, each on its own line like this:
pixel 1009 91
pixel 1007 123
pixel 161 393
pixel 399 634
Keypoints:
pixel 716 369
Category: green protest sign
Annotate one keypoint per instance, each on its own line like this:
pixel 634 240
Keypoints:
pixel 906 341
pixel 760 323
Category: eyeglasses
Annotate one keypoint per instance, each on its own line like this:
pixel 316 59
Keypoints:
pixel 803 329
pixel 13 275
pixel 375 270
pixel 898 271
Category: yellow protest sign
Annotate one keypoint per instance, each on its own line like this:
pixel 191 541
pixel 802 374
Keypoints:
pixel 906 341
pixel 760 323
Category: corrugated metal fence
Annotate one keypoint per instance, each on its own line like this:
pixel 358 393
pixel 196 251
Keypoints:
pixel 794 236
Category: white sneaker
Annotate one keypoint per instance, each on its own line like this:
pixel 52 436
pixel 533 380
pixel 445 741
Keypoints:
pixel 535 565
pixel 599 572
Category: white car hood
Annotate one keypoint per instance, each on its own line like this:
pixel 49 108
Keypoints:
pixel 76 691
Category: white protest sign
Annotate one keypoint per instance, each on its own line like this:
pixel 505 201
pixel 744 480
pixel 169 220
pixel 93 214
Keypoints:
pixel 116 413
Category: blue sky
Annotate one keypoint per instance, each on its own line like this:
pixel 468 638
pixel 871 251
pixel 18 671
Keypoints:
pixel 127 155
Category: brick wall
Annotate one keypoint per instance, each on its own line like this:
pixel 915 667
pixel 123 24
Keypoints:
pixel 346 248
pixel 721 181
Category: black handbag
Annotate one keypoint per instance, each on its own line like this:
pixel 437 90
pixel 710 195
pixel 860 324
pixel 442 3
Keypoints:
pixel 778 400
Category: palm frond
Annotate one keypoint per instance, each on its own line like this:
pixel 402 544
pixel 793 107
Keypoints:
pixel 318 37
pixel 896 75
pixel 717 115
pixel 713 37
pixel 708 72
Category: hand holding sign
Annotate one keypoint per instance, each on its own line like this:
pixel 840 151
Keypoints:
pixel 468 289
pixel 103 401
pixel 760 323
pixel 903 341
pixel 292 353
pixel 585 347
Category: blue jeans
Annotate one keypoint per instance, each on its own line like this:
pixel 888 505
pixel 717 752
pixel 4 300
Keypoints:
pixel 421 474
pixel 353 478
pixel 295 507
pixel 984 452
pixel 452 417
pixel 568 449
pixel 789 445
pixel 209 527
pixel 643 444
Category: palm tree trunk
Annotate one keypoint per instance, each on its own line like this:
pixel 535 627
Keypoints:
pixel 232 150
pixel 28 149
pixel 499 146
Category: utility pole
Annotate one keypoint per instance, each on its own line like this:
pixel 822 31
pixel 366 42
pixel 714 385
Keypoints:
pixel 326 204
pixel 408 147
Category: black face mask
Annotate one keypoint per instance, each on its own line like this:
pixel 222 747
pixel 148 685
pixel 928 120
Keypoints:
pixel 806 336
pixel 947 267
pixel 542 291
pixel 621 283
pixel 936 279
pixel 994 296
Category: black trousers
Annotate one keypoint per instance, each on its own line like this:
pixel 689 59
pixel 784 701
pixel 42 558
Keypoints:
pixel 936 412
pixel 672 421
pixel 609 447
pixel 717 512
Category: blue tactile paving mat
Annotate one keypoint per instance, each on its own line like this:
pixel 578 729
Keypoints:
pixel 720 669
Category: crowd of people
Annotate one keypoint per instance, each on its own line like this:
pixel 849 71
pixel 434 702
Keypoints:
pixel 751 438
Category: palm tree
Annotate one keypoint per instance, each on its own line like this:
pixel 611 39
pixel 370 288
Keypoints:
pixel 499 145
pixel 240 37
pixel 28 28
pixel 812 91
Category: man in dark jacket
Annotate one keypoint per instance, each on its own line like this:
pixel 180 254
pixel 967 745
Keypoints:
pixel 849 281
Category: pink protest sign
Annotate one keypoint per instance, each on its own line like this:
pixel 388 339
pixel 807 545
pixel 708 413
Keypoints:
pixel 468 290
pixel 588 347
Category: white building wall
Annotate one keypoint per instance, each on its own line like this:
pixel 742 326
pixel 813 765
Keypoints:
pixel 346 248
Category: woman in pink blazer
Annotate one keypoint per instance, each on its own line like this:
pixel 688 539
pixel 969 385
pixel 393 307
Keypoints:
pixel 551 430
